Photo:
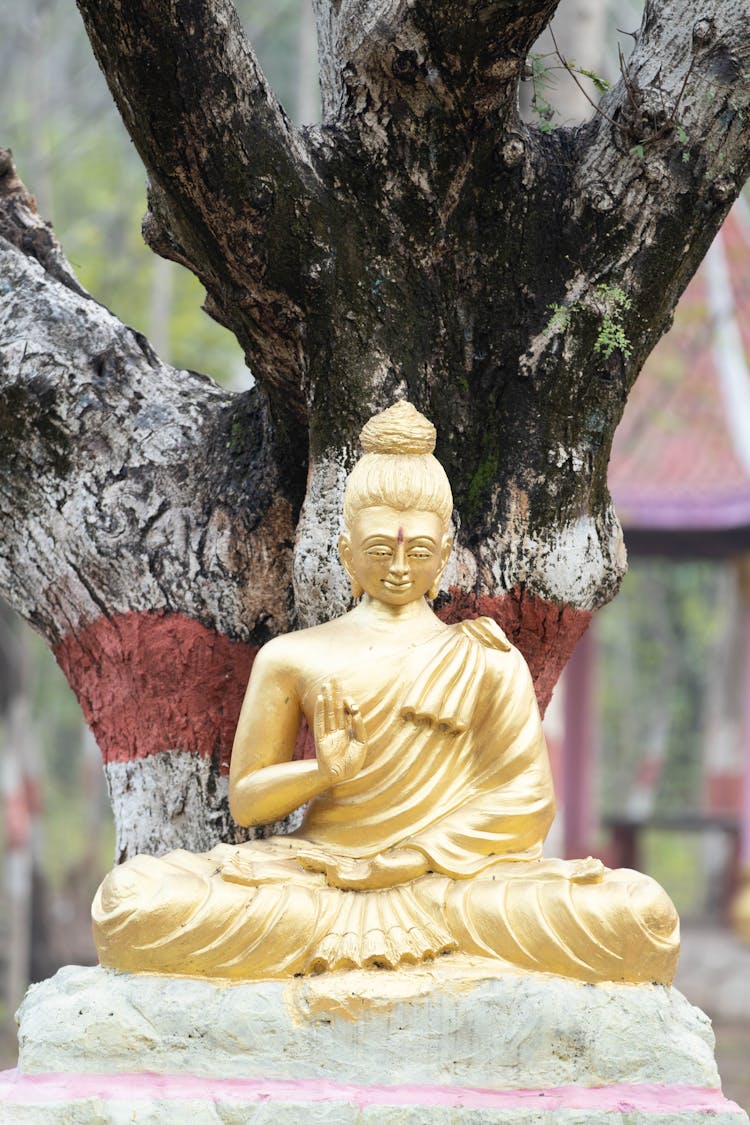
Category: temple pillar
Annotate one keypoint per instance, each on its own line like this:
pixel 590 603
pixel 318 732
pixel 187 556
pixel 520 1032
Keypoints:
pixel 579 749
pixel 741 905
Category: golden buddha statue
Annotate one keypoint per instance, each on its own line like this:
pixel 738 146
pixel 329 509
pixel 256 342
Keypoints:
pixel 427 803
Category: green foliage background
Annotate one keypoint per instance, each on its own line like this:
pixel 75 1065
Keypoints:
pixel 72 150
pixel 669 666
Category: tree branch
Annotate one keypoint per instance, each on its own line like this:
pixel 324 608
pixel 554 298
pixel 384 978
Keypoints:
pixel 125 485
pixel 428 54
pixel 662 164
pixel 230 178
pixel 22 226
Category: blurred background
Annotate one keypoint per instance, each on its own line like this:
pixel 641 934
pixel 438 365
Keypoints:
pixel 649 729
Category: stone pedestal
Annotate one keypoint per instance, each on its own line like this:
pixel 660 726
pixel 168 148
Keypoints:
pixel 446 1043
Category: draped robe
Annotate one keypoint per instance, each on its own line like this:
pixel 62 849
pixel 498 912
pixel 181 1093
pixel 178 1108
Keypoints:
pixel 456 768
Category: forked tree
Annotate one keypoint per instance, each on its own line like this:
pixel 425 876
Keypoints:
pixel 421 242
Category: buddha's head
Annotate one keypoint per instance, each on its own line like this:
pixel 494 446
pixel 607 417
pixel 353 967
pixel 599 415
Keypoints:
pixel 397 510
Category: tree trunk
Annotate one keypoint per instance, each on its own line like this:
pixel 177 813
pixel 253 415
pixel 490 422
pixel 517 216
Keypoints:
pixel 422 242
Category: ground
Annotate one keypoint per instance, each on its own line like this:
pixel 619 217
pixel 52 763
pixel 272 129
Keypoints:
pixel 714 973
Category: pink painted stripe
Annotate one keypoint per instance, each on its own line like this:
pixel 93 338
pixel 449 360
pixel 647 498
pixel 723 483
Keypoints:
pixel 32 1088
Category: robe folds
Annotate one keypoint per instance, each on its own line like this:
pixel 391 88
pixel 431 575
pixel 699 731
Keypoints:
pixel 456 769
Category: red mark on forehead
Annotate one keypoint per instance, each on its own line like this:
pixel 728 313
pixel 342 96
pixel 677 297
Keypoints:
pixel 400 538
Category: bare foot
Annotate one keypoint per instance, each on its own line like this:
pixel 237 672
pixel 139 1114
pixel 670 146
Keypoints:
pixel 350 874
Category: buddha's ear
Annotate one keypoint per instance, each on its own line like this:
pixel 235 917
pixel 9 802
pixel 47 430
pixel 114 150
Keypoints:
pixel 345 553
pixel 445 549
pixel 446 546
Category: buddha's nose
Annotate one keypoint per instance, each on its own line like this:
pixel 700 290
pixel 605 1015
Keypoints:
pixel 400 564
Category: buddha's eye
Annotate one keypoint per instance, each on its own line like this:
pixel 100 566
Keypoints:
pixel 380 552
pixel 420 554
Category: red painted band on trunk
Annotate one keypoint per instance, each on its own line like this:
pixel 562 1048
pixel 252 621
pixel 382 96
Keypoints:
pixel 621 1098
pixel 149 682
pixel 153 682
pixel 546 633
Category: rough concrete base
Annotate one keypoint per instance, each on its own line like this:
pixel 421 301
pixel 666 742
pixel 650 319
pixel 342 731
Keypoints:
pixel 454 1022
pixel 447 1043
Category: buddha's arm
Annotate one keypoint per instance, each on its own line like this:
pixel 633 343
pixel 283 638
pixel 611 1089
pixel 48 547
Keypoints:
pixel 264 783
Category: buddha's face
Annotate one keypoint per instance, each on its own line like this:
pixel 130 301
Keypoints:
pixel 395 556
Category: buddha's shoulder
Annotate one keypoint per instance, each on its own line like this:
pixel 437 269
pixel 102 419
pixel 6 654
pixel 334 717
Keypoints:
pixel 502 659
pixel 487 632
pixel 288 649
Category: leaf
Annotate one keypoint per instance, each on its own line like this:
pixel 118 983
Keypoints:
pixel 600 83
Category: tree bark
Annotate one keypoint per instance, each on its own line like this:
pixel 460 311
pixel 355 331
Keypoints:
pixel 422 242
pixel 147 535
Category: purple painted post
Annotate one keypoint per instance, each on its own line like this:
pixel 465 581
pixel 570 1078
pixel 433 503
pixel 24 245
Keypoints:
pixel 740 908
pixel 745 805
pixel 578 749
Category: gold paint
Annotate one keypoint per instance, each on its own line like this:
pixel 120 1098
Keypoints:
pixel 428 802
pixel 355 995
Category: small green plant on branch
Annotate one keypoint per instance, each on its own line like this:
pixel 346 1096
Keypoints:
pixel 610 303
pixel 639 129
pixel 539 72
pixel 613 304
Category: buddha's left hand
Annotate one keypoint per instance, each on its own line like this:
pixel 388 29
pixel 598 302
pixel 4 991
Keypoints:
pixel 388 869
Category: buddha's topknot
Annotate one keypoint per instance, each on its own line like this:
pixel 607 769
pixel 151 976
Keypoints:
pixel 397 468
pixel 400 429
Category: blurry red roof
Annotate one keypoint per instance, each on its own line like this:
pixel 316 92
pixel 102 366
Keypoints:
pixel 681 455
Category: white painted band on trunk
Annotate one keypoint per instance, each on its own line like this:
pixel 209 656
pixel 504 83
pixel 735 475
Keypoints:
pixel 321 585
pixel 461 570
pixel 162 802
pixel 579 564
pixel 175 799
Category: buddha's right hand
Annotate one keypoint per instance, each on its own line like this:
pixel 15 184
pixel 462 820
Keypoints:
pixel 340 736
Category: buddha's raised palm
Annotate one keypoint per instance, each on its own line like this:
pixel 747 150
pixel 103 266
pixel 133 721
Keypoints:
pixel 340 736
